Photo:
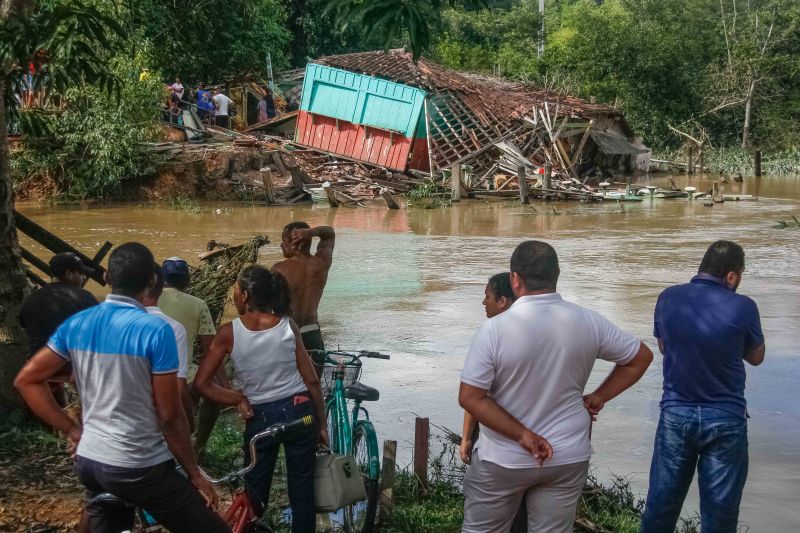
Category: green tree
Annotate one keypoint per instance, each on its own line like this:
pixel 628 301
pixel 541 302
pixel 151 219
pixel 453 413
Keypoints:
pixel 67 46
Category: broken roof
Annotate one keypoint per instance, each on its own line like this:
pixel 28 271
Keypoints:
pixel 503 98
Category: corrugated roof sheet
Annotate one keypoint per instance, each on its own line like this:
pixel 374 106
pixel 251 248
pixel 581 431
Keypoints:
pixel 614 144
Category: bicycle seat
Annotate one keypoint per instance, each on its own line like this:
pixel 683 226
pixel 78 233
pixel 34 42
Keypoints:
pixel 361 392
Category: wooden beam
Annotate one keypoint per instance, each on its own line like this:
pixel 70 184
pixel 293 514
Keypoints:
pixel 35 261
pixel 523 185
pixel 422 436
pixel 330 194
pixel 269 188
pixel 390 201
pixel 56 245
pixel 387 481
pixel 455 182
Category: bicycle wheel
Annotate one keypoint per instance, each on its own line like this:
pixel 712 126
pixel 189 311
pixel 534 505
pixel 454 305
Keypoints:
pixel 360 517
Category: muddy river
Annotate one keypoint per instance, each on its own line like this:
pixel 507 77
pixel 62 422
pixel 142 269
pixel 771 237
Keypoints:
pixel 410 283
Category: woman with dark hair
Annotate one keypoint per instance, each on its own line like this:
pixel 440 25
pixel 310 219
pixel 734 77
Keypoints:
pixel 279 384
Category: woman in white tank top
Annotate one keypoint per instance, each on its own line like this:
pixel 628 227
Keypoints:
pixel 279 384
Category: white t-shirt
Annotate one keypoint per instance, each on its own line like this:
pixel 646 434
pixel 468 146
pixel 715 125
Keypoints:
pixel 535 360
pixel 222 102
pixel 180 338
pixel 178 88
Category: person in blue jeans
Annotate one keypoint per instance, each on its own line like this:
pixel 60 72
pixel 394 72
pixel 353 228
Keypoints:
pixel 706 332
pixel 279 384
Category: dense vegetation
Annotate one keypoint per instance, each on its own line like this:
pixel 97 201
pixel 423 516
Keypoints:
pixel 724 70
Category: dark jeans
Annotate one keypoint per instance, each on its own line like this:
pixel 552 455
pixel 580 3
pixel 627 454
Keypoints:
pixel 223 121
pixel 160 490
pixel 715 443
pixel 300 450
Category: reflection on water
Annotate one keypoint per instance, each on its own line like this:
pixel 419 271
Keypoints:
pixel 411 282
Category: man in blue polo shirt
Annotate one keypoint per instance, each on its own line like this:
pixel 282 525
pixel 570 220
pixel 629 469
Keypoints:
pixel 125 361
pixel 706 332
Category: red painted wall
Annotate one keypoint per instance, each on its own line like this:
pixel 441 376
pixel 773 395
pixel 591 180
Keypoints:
pixel 419 155
pixel 375 146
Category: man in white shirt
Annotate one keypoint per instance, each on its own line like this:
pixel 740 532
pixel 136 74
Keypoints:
pixel 524 380
pixel 150 301
pixel 222 104
pixel 178 88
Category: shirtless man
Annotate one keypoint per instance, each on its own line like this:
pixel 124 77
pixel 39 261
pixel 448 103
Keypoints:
pixel 306 275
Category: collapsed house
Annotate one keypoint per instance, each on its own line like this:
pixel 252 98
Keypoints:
pixel 385 109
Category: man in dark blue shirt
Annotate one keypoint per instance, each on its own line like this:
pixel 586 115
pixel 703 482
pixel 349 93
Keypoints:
pixel 706 332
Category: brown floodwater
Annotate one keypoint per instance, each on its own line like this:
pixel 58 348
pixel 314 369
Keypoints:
pixel 410 282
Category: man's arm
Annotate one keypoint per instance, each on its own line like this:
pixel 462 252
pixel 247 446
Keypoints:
pixel 756 355
pixel 175 427
pixel 31 382
pixel 620 379
pixel 477 402
pixel 205 347
pixel 306 368
pixel 327 240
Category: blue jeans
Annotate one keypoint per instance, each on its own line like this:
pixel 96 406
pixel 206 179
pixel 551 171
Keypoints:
pixel 299 447
pixel 715 443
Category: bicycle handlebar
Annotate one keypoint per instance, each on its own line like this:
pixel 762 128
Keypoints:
pixel 271 431
pixel 355 355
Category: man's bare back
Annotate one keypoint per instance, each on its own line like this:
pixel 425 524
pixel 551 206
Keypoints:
pixel 306 274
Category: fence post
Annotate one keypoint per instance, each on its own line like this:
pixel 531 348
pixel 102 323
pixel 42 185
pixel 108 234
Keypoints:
pixel 523 185
pixel 690 163
pixel 387 480
pixel 422 435
pixel 547 179
pixel 269 189
pixel 455 182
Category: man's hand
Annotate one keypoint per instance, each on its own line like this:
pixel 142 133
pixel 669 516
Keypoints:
pixel 536 445
pixel 73 439
pixel 205 488
pixel 324 439
pixel 244 409
pixel 300 237
pixel 594 404
pixel 465 450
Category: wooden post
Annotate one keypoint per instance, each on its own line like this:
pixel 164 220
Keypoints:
pixel 255 162
pixel 297 180
pixel 690 164
pixel 757 163
pixel 330 195
pixel 278 160
pixel 422 436
pixel 269 189
pixel 387 480
pixel 455 181
pixel 523 185
pixel 547 179
pixel 390 201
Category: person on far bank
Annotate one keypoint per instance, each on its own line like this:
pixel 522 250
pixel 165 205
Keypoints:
pixel 125 362
pixel 222 105
pixel 306 275
pixel 706 332
pixel 48 307
pixel 279 385
pixel 523 380
pixel 193 314
pixel 150 302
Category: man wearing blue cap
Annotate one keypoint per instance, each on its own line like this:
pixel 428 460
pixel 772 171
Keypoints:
pixel 193 314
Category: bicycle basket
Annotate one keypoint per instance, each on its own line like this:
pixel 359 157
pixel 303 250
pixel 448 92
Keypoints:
pixel 352 373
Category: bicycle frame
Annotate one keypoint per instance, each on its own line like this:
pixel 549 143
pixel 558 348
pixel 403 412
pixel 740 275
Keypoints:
pixel 240 513
pixel 346 423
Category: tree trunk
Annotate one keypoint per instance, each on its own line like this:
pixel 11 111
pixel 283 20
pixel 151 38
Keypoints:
pixel 13 283
pixel 748 108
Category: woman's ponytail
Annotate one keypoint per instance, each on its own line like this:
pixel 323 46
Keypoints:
pixel 267 291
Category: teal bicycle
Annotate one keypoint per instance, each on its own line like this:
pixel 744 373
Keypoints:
pixel 352 433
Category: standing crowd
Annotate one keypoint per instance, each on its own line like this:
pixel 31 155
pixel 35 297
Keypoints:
pixel 213 107
pixel 527 420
